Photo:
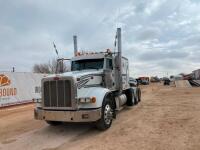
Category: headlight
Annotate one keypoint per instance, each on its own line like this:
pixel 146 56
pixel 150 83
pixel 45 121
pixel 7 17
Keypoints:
pixel 87 99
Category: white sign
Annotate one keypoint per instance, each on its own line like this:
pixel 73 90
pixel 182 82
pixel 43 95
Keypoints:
pixel 17 87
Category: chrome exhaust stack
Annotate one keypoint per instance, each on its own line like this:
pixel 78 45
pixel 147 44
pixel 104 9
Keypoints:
pixel 75 45
pixel 118 61
pixel 119 48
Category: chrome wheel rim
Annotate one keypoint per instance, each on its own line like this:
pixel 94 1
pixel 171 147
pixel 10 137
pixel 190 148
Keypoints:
pixel 108 114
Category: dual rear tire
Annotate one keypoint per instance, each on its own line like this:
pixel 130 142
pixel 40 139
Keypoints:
pixel 138 96
pixel 133 97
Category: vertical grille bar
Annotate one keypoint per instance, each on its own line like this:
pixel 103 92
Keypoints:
pixel 46 94
pixel 60 88
pixel 53 93
pixel 64 93
pixel 68 93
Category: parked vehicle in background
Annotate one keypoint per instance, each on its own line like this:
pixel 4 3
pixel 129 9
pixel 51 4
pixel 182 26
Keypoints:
pixel 166 81
pixel 133 82
pixel 144 80
pixel 172 78
pixel 154 79
pixel 196 74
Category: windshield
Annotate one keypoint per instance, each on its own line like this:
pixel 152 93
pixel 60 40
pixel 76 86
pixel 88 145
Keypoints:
pixel 87 64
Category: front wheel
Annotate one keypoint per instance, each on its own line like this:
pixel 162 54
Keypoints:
pixel 106 116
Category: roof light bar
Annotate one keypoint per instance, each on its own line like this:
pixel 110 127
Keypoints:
pixel 108 51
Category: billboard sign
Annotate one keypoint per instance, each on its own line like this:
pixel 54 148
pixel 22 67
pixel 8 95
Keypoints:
pixel 16 88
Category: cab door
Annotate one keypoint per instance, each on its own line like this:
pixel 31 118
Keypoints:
pixel 109 74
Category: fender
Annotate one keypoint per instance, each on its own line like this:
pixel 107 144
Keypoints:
pixel 98 92
pixel 134 91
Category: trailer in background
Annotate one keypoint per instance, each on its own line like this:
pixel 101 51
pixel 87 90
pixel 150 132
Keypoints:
pixel 196 74
pixel 19 87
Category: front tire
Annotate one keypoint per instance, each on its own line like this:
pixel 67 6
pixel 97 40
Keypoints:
pixel 106 116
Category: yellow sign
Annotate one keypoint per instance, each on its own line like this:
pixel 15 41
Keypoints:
pixel 4 80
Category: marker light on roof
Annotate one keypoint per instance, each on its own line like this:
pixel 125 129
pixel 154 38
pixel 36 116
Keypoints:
pixel 92 52
pixel 78 54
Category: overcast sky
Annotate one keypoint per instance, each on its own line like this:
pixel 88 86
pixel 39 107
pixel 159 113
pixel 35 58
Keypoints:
pixel 159 36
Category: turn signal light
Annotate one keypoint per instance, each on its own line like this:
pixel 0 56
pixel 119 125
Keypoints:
pixel 87 100
pixel 93 100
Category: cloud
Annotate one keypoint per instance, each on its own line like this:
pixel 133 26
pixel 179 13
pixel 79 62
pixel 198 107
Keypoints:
pixel 162 55
pixel 158 35
pixel 147 34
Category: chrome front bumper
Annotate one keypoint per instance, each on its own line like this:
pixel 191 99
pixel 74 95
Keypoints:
pixel 68 116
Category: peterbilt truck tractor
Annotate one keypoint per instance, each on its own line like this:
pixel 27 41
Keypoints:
pixel 94 90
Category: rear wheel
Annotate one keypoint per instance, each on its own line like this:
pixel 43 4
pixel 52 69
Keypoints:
pixel 136 99
pixel 139 94
pixel 53 123
pixel 130 97
pixel 106 116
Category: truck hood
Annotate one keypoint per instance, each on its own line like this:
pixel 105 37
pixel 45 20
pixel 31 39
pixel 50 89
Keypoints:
pixel 77 74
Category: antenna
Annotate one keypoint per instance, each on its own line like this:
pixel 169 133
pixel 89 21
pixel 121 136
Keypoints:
pixel 58 61
pixel 115 42
pixel 54 45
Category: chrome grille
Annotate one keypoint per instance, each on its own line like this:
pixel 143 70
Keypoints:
pixel 57 93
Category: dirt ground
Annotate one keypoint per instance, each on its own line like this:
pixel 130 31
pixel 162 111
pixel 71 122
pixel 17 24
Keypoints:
pixel 168 118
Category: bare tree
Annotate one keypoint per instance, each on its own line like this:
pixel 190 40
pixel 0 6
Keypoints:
pixel 51 67
pixel 41 68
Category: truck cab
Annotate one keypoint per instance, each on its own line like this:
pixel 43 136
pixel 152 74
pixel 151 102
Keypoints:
pixel 96 87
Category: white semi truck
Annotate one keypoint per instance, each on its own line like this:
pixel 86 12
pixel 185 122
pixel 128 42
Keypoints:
pixel 93 91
